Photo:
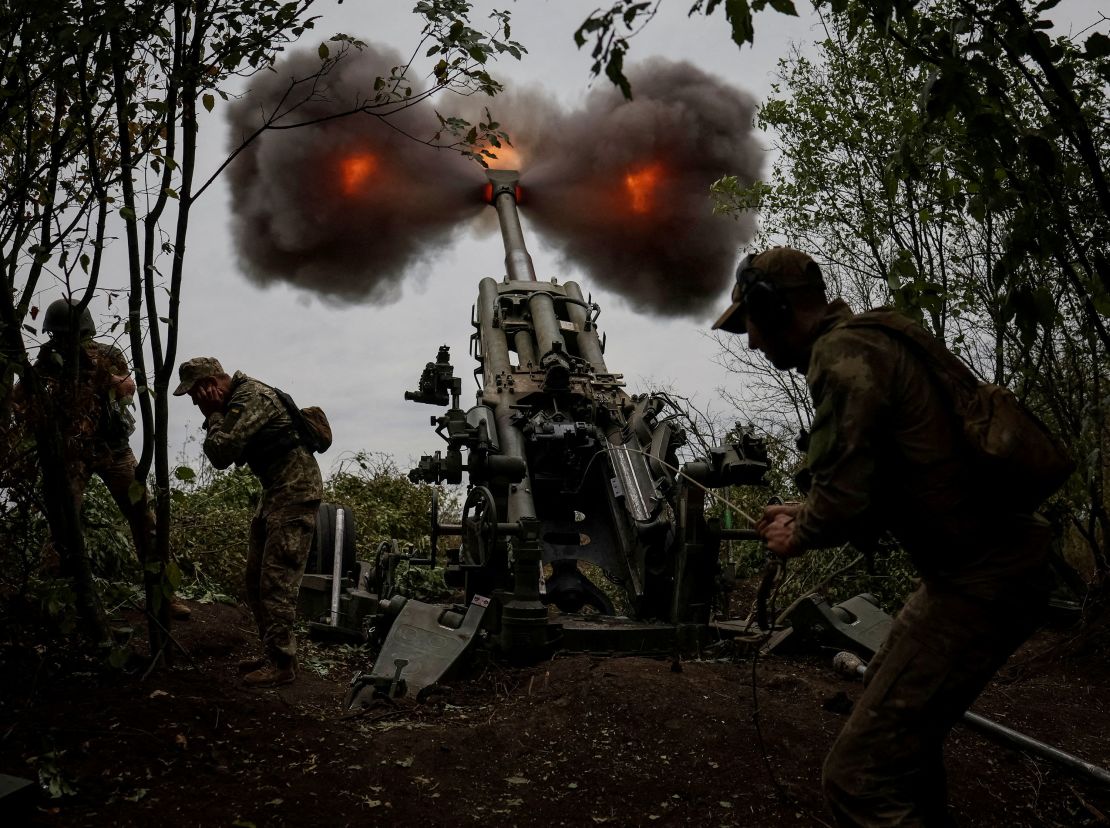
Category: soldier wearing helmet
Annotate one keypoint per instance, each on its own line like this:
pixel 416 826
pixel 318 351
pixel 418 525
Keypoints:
pixel 63 319
pixel 91 383
pixel 886 452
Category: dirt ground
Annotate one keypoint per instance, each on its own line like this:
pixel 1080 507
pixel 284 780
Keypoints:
pixel 577 740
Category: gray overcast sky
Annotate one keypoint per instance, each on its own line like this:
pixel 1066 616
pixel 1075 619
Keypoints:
pixel 356 361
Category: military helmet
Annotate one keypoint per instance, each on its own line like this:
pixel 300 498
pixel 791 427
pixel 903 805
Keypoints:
pixel 60 319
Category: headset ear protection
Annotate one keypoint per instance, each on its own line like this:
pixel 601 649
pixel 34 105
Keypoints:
pixel 763 301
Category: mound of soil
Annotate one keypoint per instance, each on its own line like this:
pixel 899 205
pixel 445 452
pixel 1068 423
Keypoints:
pixel 576 740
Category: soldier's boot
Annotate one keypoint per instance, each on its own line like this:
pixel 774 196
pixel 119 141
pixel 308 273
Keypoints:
pixel 179 610
pixel 249 665
pixel 271 675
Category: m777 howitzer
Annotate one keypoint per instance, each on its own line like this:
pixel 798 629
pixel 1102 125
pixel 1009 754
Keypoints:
pixel 563 468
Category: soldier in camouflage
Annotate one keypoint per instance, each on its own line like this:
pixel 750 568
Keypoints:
pixel 886 453
pixel 96 398
pixel 246 423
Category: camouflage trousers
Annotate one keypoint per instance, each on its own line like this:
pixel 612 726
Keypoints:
pixel 886 767
pixel 279 545
pixel 117 470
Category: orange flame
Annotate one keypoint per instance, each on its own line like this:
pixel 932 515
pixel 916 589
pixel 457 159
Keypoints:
pixel 355 170
pixel 508 158
pixel 641 185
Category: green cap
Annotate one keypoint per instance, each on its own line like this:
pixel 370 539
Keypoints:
pixel 194 370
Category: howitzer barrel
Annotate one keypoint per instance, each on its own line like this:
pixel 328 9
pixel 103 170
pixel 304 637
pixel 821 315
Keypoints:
pixel 518 263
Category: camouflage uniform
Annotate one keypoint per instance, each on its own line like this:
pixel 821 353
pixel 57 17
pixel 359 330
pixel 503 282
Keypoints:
pixel 258 431
pixel 885 453
pixel 98 429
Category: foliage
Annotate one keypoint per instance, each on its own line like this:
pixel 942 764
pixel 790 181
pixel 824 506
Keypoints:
pixel 213 511
pixel 925 239
pixel 51 777
pixel 22 528
pixel 421 583
pixel 612 28
pixel 98 130
pixel 211 526
pixel 212 515
pixel 320 659
pixel 385 503
pixel 32 586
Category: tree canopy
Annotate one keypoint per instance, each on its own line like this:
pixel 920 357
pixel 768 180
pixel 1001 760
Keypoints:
pixel 975 213
pixel 99 129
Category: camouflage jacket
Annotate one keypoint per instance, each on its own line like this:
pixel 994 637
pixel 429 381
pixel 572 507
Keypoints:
pixel 99 421
pixel 886 453
pixel 257 430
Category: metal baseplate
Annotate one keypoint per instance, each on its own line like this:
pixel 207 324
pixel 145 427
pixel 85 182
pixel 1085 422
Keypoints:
pixel 423 644
pixel 858 625
pixel 17 797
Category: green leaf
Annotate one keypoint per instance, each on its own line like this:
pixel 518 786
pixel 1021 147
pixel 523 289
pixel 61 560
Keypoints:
pixel 184 473
pixel 739 14
pixel 173 575
pixel 784 7
pixel 136 491
pixel 323 51
pixel 208 101
pixel 127 213
pixel 614 70
pixel 1096 46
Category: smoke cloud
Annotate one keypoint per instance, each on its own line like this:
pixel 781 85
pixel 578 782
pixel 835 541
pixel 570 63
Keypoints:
pixel 344 207
pixel 621 187
pixel 348 206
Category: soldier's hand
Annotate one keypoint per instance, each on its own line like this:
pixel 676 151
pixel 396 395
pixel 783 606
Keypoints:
pixel 123 386
pixel 778 535
pixel 774 510
pixel 209 399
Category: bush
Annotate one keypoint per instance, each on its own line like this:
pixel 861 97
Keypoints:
pixel 32 588
pixel 386 504
pixel 210 526
pixel 212 512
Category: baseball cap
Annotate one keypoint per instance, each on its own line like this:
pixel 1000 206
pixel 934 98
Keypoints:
pixel 783 267
pixel 194 370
